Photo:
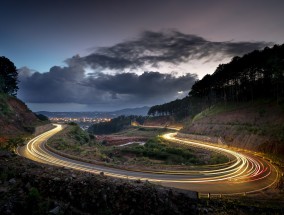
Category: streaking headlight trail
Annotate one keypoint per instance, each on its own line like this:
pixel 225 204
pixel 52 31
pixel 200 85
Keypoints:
pixel 245 173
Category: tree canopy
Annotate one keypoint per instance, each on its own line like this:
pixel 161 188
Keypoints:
pixel 8 77
pixel 259 74
pixel 256 75
pixel 115 125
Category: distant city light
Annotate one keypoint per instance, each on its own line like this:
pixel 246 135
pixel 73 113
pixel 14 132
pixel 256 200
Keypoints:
pixel 79 119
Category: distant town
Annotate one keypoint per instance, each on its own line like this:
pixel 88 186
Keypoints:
pixel 78 120
pixel 86 119
pixel 84 122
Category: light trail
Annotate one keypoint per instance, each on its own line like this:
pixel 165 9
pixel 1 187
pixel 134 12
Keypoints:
pixel 245 173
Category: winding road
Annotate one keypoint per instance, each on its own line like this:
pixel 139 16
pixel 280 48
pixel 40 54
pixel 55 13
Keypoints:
pixel 245 173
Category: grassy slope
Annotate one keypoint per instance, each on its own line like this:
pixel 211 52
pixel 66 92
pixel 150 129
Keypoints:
pixel 257 126
pixel 15 117
pixel 74 141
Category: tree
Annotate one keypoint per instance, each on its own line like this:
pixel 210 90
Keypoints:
pixel 8 77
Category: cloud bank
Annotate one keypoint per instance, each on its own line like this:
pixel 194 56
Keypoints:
pixel 155 48
pixel 72 84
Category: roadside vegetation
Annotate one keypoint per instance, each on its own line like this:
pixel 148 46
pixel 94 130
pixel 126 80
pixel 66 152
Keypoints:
pixel 74 141
pixel 11 144
pixel 4 107
pixel 154 153
pixel 159 151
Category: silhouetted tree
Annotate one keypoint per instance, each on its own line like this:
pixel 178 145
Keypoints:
pixel 8 77
pixel 259 74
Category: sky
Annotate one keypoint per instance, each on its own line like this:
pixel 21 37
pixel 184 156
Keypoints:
pixel 91 55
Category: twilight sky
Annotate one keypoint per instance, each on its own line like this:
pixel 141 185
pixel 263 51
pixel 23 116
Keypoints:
pixel 104 55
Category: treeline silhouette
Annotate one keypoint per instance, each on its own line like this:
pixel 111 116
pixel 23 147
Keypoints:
pixel 8 77
pixel 259 74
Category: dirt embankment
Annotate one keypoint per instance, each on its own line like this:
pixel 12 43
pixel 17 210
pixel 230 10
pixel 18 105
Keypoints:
pixel 15 117
pixel 164 121
pixel 258 127
pixel 43 128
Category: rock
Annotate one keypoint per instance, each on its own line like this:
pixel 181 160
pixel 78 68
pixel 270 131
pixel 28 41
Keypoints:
pixel 105 197
pixel 56 179
pixel 32 165
pixel 83 205
pixel 5 154
pixel 204 210
pixel 12 181
pixel 3 190
pixel 102 173
pixel 55 210
pixel 28 186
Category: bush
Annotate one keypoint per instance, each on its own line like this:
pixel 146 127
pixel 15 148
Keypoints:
pixel 157 149
pixel 81 136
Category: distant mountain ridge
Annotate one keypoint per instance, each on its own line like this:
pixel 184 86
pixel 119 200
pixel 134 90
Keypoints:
pixel 141 111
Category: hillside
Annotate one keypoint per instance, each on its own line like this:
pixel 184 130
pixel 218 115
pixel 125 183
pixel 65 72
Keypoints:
pixel 240 104
pixel 15 117
pixel 258 75
pixel 256 126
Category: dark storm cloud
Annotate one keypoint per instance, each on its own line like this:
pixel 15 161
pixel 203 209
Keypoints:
pixel 148 84
pixel 154 48
pixel 53 86
pixel 69 84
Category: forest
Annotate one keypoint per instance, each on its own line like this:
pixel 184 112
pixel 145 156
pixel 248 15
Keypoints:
pixel 256 75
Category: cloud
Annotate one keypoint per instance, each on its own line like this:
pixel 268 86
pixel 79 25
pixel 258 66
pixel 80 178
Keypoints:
pixel 154 48
pixel 72 83
pixel 148 84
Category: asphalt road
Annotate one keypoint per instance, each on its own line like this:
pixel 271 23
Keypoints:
pixel 245 173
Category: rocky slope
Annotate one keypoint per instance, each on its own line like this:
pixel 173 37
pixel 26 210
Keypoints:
pixel 258 127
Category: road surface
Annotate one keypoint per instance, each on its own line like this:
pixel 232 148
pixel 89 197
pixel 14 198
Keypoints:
pixel 245 173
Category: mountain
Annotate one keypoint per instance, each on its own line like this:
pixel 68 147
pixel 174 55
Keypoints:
pixel 141 111
pixel 97 114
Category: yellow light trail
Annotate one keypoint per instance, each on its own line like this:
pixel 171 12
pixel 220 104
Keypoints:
pixel 243 170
